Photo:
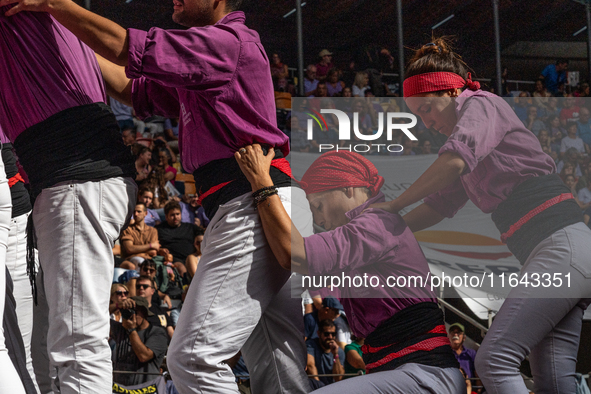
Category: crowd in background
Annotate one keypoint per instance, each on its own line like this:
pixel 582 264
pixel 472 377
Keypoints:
pixel 158 254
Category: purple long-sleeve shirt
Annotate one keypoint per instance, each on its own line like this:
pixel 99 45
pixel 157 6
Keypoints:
pixel 45 69
pixel 376 243
pixel 500 153
pixel 216 79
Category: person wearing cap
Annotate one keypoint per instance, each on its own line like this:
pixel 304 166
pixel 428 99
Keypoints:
pixel 324 65
pixel 406 348
pixel 330 310
pixel 491 159
pixel 464 355
pixel 140 346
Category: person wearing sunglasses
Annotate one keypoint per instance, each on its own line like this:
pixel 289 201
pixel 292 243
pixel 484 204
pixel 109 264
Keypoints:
pixel 324 354
pixel 119 301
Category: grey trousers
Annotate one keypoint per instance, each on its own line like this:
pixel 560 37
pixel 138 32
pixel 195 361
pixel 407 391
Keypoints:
pixel 407 379
pixel 76 224
pixel 548 329
pixel 240 299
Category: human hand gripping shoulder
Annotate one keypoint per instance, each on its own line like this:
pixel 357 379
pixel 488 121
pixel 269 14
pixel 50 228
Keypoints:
pixel 285 240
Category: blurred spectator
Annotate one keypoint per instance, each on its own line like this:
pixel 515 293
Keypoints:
pixel 321 90
pixel 468 382
pixel 299 137
pixel 557 132
pixel 544 139
pixel 571 182
pixel 361 84
pixel 426 147
pixel 154 126
pixel 146 196
pixel 551 109
pixel 365 124
pixel 555 74
pixel 584 193
pixel 129 136
pixel 407 150
pixel 139 241
pixel 333 84
pixel 541 95
pixel 464 355
pixel 310 81
pixel 278 70
pixel 193 259
pixel 329 309
pixel 142 163
pixel 324 355
pixel 157 183
pixel 119 300
pixel 521 105
pixel 171 133
pixel 140 346
pixel 165 159
pixel 504 86
pixel 176 236
pixel 324 65
pixel 354 357
pixel 584 126
pixel 124 116
pixel 570 112
pixel 347 92
pixel 571 156
pixel 572 141
pixel 146 287
pixel 435 138
pixel 532 122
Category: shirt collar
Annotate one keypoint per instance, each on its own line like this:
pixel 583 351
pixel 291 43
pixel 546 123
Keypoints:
pixel 353 213
pixel 234 16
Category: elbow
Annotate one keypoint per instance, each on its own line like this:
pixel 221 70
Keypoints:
pixel 285 263
pixel 144 358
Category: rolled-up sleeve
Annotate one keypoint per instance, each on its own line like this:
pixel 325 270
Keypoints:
pixel 359 243
pixel 477 132
pixel 150 98
pixel 189 59
pixel 448 201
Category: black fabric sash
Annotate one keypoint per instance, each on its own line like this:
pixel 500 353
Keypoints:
pixel 409 327
pixel 77 144
pixel 221 171
pixel 21 202
pixel 525 197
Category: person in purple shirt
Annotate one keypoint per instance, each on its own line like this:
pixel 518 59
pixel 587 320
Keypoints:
pixel 492 160
pixel 406 347
pixel 215 77
pixel 52 109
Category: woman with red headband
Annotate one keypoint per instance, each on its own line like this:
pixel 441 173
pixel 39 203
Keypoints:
pixel 406 349
pixel 491 159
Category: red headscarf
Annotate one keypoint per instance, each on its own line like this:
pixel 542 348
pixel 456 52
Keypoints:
pixel 334 170
pixel 435 81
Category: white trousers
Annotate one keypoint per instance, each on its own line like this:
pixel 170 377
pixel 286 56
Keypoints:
pixel 76 224
pixel 9 380
pixel 16 262
pixel 240 298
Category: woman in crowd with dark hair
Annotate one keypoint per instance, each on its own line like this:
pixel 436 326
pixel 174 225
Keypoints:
pixel 493 161
pixel 406 348
pixel 142 162
pixel 333 84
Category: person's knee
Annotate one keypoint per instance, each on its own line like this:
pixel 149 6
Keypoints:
pixel 128 265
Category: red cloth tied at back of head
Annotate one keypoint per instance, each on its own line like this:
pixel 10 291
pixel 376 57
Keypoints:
pixel 436 81
pixel 334 170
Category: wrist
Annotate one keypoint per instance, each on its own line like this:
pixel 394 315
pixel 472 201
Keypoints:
pixel 130 330
pixel 261 182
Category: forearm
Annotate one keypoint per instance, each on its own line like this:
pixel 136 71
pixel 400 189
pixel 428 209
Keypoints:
pixel 442 173
pixel 143 353
pixel 338 369
pixel 135 249
pixel 285 240
pixel 118 85
pixel 422 217
pixel 105 37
